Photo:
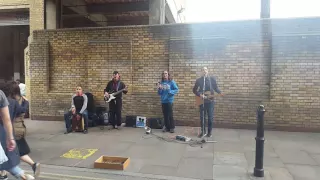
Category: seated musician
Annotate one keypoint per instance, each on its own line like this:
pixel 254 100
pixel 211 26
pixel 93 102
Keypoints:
pixel 78 107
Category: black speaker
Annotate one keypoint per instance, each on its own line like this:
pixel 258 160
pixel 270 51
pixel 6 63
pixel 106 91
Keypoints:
pixel 131 121
pixel 101 112
pixel 155 123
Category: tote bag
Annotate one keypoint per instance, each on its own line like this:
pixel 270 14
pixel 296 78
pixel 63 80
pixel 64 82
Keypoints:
pixel 3 157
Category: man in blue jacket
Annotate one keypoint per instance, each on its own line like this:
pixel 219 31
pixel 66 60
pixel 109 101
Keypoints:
pixel 167 88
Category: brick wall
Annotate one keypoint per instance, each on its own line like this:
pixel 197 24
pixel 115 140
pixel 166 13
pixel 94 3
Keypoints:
pixel 234 52
pixel 13 2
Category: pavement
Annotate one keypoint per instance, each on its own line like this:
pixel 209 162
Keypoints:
pixel 287 155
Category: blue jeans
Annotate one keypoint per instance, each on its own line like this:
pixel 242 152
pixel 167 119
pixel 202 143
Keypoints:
pixel 16 171
pixel 206 109
pixel 67 119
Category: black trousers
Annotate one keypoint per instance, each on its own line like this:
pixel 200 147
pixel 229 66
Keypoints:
pixel 115 107
pixel 168 115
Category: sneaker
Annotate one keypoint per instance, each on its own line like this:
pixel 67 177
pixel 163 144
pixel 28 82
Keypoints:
pixel 5 177
pixel 85 131
pixel 36 169
pixel 209 135
pixel 201 135
pixel 29 177
pixel 164 129
pixel 68 131
pixel 171 130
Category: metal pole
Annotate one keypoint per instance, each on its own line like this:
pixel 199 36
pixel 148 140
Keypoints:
pixel 258 169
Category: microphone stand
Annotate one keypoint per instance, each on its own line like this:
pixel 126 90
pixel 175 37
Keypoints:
pixel 203 111
pixel 203 117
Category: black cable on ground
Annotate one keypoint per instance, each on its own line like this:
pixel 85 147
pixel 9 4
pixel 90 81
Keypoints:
pixel 192 143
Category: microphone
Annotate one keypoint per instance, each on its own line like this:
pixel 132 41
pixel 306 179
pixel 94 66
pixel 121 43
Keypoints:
pixel 159 84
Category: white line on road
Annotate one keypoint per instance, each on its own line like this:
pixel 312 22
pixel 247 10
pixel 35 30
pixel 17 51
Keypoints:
pixel 67 176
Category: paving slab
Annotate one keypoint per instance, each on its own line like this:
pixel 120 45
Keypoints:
pixel 229 147
pixel 316 157
pixel 279 173
pixel 227 135
pixel 195 168
pixel 197 152
pixel 285 144
pixel 304 172
pixel 287 156
pixel 229 172
pixel 295 157
pixel 230 158
pixel 267 160
pixel 158 170
pixel 311 147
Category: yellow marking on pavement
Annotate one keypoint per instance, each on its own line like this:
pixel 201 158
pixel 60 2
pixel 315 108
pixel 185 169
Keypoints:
pixel 79 153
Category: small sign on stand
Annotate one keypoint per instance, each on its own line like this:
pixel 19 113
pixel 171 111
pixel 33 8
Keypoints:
pixel 141 121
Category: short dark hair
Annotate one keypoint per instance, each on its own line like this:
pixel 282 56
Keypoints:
pixel 115 72
pixel 10 89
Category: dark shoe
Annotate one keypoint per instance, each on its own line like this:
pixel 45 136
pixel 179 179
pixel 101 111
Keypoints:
pixel 5 177
pixel 171 130
pixel 68 131
pixel 164 129
pixel 209 135
pixel 36 169
pixel 201 135
pixel 85 131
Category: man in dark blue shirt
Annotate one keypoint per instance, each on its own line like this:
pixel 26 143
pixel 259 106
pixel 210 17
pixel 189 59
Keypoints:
pixel 204 84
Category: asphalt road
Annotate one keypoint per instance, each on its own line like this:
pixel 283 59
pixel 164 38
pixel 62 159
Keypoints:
pixel 51 172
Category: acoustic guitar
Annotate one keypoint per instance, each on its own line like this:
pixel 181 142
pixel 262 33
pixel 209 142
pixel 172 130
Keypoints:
pixel 208 96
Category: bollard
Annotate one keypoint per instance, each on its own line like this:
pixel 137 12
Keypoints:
pixel 258 169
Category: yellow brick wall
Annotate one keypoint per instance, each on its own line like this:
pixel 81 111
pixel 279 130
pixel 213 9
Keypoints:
pixel 36 15
pixel 13 2
pixel 233 51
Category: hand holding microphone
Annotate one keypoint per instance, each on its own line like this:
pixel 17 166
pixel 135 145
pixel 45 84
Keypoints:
pixel 159 85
